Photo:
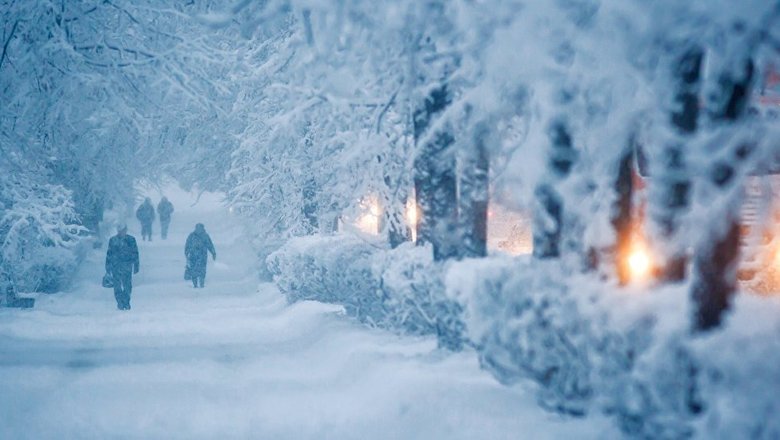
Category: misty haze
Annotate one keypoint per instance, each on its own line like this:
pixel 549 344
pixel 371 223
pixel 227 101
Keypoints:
pixel 390 219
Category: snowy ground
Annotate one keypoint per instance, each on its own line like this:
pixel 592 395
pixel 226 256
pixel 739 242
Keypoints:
pixel 234 361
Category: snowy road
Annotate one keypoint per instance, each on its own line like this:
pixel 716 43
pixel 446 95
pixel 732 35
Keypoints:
pixel 234 361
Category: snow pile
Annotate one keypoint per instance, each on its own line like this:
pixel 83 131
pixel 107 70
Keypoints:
pixel 398 289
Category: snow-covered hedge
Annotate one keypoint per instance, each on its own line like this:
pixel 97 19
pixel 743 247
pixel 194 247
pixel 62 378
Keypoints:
pixel 591 346
pixel 525 324
pixel 739 379
pixel 328 269
pixel 39 236
pixel 629 353
pixel 398 289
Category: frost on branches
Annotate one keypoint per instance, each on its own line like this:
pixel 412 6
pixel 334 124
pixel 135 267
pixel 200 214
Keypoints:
pixel 366 143
pixel 561 101
pixel 40 234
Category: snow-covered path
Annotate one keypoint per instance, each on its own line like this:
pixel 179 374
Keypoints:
pixel 234 361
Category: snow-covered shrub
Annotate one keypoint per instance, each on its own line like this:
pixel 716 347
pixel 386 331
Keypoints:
pixel 589 346
pixel 534 319
pixel 525 324
pixel 592 346
pixel 331 269
pixel 627 352
pixel 398 289
pixel 647 382
pixel 739 368
pixel 414 297
pixel 40 235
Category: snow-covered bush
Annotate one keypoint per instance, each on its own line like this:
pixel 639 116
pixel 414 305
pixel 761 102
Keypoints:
pixel 40 235
pixel 331 269
pixel 739 374
pixel 592 346
pixel 627 352
pixel 397 289
pixel 535 319
pixel 525 323
pixel 414 297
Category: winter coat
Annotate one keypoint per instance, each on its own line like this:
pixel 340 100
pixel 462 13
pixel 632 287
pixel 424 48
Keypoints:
pixel 122 255
pixel 145 213
pixel 164 210
pixel 196 250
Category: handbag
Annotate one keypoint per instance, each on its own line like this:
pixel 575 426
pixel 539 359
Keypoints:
pixel 108 281
pixel 187 273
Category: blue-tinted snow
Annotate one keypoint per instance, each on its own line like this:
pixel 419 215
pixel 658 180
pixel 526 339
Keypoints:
pixel 235 361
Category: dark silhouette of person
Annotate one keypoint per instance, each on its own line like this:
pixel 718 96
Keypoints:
pixel 145 215
pixel 121 263
pixel 164 211
pixel 196 250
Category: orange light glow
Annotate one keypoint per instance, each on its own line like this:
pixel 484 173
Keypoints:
pixel 639 261
pixel 777 260
pixel 412 217
pixel 368 222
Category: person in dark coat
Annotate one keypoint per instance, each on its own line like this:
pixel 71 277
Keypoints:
pixel 164 211
pixel 145 215
pixel 196 250
pixel 121 263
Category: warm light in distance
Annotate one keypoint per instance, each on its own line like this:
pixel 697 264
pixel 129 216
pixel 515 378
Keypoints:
pixel 412 217
pixel 639 262
pixel 369 221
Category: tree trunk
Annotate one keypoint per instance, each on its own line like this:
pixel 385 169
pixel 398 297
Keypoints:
pixel 394 196
pixel 674 180
pixel 715 279
pixel 715 261
pixel 548 211
pixel 474 195
pixel 310 206
pixel 621 214
pixel 435 182
pixel 394 218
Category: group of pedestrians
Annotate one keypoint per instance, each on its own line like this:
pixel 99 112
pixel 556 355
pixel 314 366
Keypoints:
pixel 145 214
pixel 122 258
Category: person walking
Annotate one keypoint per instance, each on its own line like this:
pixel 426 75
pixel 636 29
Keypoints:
pixel 121 263
pixel 145 215
pixel 164 211
pixel 196 250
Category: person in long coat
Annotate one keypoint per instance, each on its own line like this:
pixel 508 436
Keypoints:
pixel 196 250
pixel 164 211
pixel 121 263
pixel 145 215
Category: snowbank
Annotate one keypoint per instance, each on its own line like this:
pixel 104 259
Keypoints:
pixel 591 346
